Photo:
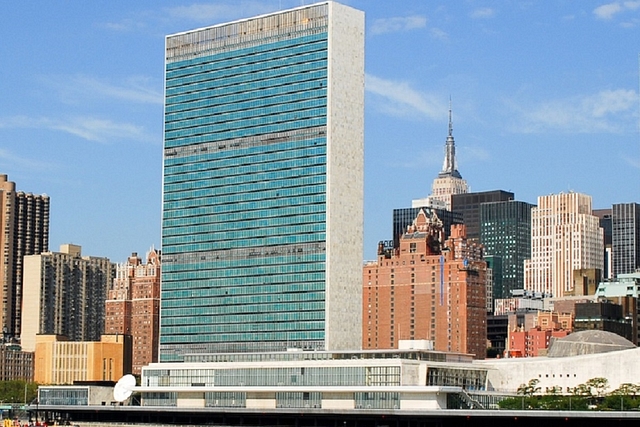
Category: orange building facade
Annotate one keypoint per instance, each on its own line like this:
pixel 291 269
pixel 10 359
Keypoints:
pixel 535 341
pixel 59 361
pixel 427 289
pixel 133 307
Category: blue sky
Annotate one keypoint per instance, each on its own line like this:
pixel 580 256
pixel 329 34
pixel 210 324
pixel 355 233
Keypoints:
pixel 544 94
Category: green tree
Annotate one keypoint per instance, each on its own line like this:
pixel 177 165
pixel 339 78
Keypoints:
pixel 530 388
pixel 599 385
pixel 18 391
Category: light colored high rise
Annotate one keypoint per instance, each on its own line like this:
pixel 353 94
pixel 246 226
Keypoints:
pixel 263 184
pixel 24 230
pixel 565 236
pixel 64 294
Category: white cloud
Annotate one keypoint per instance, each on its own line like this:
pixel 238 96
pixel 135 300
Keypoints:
pixel 609 10
pixel 607 111
pixel 396 24
pixel 88 128
pixel 606 11
pixel 401 100
pixel 483 12
pixel 137 89
pixel 439 34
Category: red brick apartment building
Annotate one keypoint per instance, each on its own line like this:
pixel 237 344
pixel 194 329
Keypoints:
pixel 133 307
pixel 427 289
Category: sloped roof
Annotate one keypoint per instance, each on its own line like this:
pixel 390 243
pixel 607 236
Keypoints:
pixel 588 342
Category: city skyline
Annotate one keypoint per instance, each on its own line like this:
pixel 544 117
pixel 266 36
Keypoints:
pixel 544 98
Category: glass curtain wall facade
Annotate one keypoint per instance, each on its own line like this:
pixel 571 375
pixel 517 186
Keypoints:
pixel 505 232
pixel 626 238
pixel 262 188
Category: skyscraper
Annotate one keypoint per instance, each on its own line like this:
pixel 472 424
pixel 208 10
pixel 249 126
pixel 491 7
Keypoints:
pixel 626 238
pixel 505 232
pixel 565 236
pixel 65 293
pixel 24 230
pixel 468 205
pixel 263 184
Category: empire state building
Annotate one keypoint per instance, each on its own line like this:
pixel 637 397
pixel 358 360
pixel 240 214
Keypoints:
pixel 449 180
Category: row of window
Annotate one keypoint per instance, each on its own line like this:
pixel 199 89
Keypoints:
pixel 313 274
pixel 186 317
pixel 248 243
pixel 183 238
pixel 246 71
pixel 250 96
pixel 181 337
pixel 277 376
pixel 233 113
pixel 241 285
pixel 224 169
pixel 241 91
pixel 193 65
pixel 235 83
pixel 248 124
pixel 270 179
pixel 225 135
pixel 279 282
pixel 244 225
pixel 240 205
pixel 243 216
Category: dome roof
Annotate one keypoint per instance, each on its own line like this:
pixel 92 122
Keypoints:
pixel 588 342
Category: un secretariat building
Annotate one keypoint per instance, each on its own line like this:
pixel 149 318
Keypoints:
pixel 263 184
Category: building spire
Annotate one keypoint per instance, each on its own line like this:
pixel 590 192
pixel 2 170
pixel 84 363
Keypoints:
pixel 449 167
pixel 450 121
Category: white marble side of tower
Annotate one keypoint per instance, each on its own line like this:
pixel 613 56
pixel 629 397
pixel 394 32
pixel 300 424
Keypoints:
pixel 345 178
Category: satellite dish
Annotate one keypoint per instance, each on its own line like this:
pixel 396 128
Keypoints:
pixel 124 388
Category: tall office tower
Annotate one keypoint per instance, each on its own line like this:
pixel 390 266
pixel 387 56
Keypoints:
pixel 449 181
pixel 505 232
pixel 133 307
pixel 468 205
pixel 565 236
pixel 24 230
pixel 263 184
pixel 404 217
pixel 64 294
pixel 605 216
pixel 626 238
pixel 429 289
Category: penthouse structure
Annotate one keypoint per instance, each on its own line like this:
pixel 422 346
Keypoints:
pixel 263 184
